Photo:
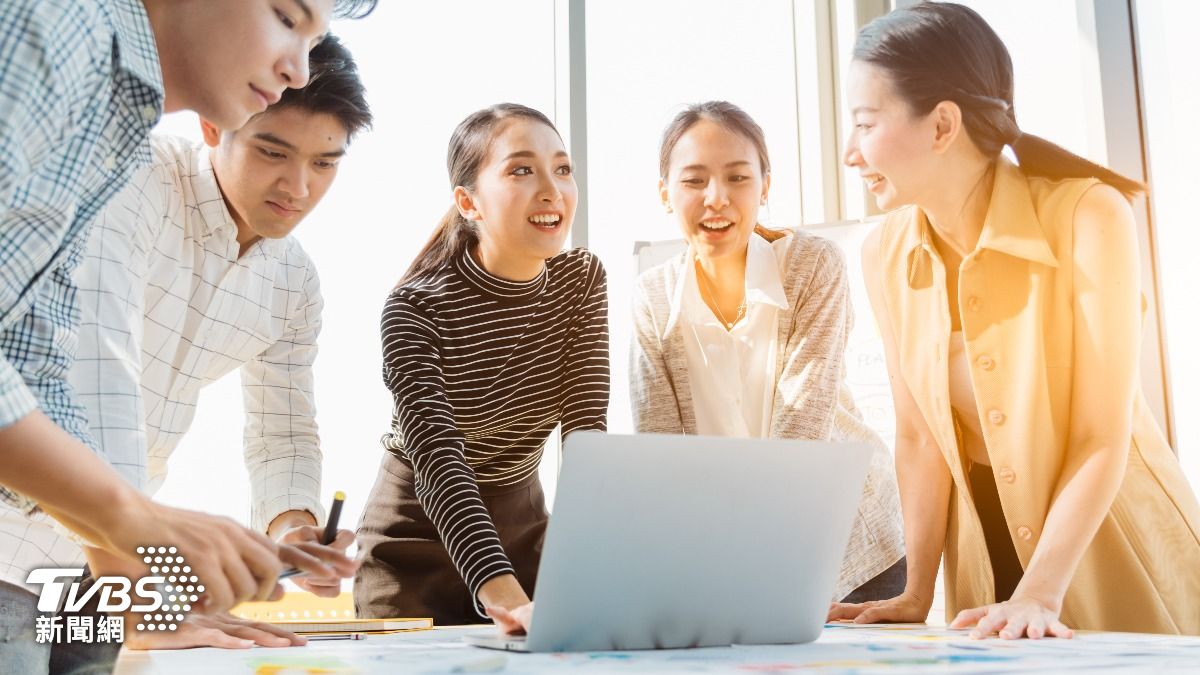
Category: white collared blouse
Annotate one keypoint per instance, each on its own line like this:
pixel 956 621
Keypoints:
pixel 733 389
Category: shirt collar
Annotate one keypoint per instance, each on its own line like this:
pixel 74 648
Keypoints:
pixel 137 51
pixel 764 283
pixel 204 194
pixel 504 289
pixel 137 75
pixel 1011 226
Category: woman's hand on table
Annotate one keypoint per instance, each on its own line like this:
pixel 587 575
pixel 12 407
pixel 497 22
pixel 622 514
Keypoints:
pixel 1019 617
pixel 904 608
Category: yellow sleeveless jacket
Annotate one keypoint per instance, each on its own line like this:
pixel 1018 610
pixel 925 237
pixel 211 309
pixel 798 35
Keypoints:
pixel 1142 570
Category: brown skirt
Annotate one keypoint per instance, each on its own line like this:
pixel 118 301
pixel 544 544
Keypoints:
pixel 406 571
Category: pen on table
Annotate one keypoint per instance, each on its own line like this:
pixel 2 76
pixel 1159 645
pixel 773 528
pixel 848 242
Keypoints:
pixel 330 533
pixel 340 636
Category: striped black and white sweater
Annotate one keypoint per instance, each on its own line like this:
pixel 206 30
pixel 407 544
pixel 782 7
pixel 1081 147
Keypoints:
pixel 481 370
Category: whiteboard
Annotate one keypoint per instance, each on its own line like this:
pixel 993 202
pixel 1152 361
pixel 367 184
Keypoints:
pixel 866 367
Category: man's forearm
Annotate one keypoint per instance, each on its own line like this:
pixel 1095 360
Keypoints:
pixel 103 563
pixel 68 480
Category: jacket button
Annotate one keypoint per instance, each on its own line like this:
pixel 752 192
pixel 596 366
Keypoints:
pixel 986 362
pixel 1008 475
pixel 996 417
pixel 1024 533
pixel 973 303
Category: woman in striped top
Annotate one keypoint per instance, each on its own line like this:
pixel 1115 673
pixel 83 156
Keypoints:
pixel 492 339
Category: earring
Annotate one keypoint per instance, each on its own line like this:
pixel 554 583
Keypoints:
pixel 669 209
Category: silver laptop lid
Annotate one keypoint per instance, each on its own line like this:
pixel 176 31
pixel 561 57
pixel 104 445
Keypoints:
pixel 662 541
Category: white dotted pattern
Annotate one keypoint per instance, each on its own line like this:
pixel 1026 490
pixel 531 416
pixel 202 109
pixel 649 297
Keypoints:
pixel 164 560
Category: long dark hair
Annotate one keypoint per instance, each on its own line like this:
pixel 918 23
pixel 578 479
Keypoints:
pixel 941 51
pixel 468 149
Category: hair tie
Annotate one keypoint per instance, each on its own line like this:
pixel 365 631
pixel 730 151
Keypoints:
pixel 981 99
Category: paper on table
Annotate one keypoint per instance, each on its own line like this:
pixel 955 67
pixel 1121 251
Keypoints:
pixel 369 626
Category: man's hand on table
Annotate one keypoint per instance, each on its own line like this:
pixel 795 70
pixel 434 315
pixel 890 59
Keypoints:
pixel 218 630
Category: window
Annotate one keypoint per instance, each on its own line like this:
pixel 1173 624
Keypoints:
pixel 640 74
pixel 1171 97
pixel 426 66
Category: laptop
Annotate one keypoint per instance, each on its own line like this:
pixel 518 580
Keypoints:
pixel 661 541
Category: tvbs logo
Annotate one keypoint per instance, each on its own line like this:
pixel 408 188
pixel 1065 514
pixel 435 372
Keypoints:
pixel 163 597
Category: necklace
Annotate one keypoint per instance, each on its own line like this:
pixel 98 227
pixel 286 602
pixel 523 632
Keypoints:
pixel 741 310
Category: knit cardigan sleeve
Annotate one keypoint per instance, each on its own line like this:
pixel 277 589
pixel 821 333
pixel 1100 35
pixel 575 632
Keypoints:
pixel 651 394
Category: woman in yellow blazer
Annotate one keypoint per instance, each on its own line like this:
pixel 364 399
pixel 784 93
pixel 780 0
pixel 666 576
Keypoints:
pixel 1008 301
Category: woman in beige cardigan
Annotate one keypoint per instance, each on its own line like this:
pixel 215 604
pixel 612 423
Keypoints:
pixel 743 334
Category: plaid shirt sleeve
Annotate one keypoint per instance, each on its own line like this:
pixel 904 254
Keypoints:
pixel 40 346
pixel 51 81
pixel 35 96
pixel 34 116
pixel 282 447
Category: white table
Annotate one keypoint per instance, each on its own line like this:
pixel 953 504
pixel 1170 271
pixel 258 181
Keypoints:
pixel 872 649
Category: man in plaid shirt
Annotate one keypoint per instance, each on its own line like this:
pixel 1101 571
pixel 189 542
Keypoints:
pixel 81 84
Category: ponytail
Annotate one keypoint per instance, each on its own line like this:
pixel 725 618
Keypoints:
pixel 1039 157
pixel 453 235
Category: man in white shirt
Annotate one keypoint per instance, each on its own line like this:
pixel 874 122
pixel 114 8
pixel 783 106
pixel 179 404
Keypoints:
pixel 190 274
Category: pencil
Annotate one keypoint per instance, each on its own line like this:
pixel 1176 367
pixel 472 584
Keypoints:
pixel 339 636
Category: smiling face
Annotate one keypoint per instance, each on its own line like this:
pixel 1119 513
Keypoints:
pixel 523 200
pixel 893 149
pixel 231 59
pixel 714 186
pixel 275 170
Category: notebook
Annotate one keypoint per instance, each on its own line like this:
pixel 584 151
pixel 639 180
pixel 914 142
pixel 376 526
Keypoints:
pixel 308 614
